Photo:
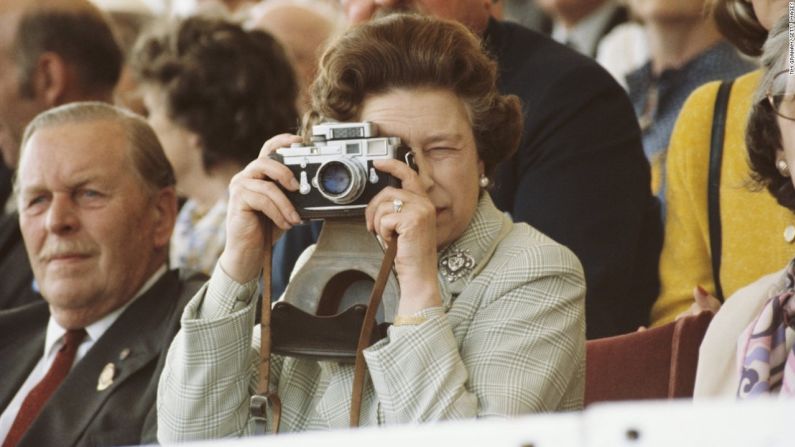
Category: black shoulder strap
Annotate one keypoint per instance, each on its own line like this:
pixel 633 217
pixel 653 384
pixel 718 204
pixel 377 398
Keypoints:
pixel 713 182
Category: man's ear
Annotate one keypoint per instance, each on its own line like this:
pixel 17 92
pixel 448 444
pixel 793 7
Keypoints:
pixel 165 212
pixel 50 78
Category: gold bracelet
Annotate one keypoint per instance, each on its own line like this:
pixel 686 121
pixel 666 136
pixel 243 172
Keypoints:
pixel 408 320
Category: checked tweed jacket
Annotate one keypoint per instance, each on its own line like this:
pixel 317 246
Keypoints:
pixel 509 340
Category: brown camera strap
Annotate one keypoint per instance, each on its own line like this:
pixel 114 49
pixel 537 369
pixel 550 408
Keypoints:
pixel 368 326
pixel 263 397
pixel 259 401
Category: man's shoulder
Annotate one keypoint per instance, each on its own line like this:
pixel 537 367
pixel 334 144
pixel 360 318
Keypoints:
pixel 176 288
pixel 23 320
pixel 9 228
pixel 523 52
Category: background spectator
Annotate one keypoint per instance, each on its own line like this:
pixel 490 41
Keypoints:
pixel 753 226
pixel 581 24
pixel 623 50
pixel 128 18
pixel 303 27
pixel 214 93
pixel 686 50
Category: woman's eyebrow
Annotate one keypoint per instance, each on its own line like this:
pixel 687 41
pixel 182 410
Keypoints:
pixel 445 137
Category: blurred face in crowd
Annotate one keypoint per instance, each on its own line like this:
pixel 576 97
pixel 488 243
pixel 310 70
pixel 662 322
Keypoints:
pixel 16 109
pixel 668 9
pixel 180 145
pixel 472 13
pixel 435 124
pixel 94 232
pixel 769 11
pixel 569 10
pixel 303 33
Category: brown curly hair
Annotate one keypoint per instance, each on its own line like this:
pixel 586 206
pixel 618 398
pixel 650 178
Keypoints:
pixel 763 135
pixel 233 88
pixel 412 51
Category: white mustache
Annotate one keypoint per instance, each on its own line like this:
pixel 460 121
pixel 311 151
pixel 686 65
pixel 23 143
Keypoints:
pixel 60 248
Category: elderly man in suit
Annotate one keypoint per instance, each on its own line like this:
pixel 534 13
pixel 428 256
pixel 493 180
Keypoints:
pixel 52 52
pixel 97 207
pixel 579 175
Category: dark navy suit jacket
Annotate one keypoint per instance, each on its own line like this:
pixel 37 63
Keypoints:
pixel 77 414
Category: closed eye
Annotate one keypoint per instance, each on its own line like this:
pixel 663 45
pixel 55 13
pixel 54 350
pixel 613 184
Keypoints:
pixel 441 152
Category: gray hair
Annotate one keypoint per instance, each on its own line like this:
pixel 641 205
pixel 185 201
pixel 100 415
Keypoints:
pixel 775 57
pixel 150 162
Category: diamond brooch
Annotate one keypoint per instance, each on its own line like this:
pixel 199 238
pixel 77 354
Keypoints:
pixel 456 264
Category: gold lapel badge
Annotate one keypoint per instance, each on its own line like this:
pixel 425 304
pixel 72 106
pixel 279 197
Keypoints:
pixel 106 377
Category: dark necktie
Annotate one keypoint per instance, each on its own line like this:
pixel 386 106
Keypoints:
pixel 39 395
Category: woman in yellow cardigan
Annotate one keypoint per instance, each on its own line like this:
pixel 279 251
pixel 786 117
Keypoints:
pixel 753 225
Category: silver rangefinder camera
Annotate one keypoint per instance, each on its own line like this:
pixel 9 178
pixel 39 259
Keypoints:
pixel 336 173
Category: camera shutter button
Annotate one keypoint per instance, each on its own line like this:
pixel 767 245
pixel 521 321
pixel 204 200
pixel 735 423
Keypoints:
pixel 304 187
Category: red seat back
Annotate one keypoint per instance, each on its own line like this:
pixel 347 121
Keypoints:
pixel 658 363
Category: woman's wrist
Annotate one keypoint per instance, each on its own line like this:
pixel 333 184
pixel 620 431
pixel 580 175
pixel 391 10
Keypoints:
pixel 417 297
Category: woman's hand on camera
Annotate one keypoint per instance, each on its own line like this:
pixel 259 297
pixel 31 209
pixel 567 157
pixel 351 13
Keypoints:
pixel 408 213
pixel 253 197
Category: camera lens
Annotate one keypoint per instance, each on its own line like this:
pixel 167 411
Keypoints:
pixel 335 178
pixel 341 181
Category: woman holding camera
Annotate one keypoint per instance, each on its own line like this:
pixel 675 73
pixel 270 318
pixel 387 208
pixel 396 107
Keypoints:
pixel 504 335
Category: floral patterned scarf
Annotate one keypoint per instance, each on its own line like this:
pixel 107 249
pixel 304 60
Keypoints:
pixel 766 365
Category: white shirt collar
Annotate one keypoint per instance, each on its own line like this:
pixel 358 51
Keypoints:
pixel 586 33
pixel 94 331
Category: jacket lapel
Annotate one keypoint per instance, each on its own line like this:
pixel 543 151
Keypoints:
pixel 22 332
pixel 133 342
pixel 463 259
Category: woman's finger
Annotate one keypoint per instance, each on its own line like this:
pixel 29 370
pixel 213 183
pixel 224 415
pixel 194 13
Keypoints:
pixel 384 202
pixel 264 204
pixel 267 169
pixel 704 300
pixel 386 194
pixel 409 178
pixel 276 196
pixel 384 208
pixel 279 141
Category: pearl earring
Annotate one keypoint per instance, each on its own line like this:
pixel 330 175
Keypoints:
pixel 484 181
pixel 783 168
